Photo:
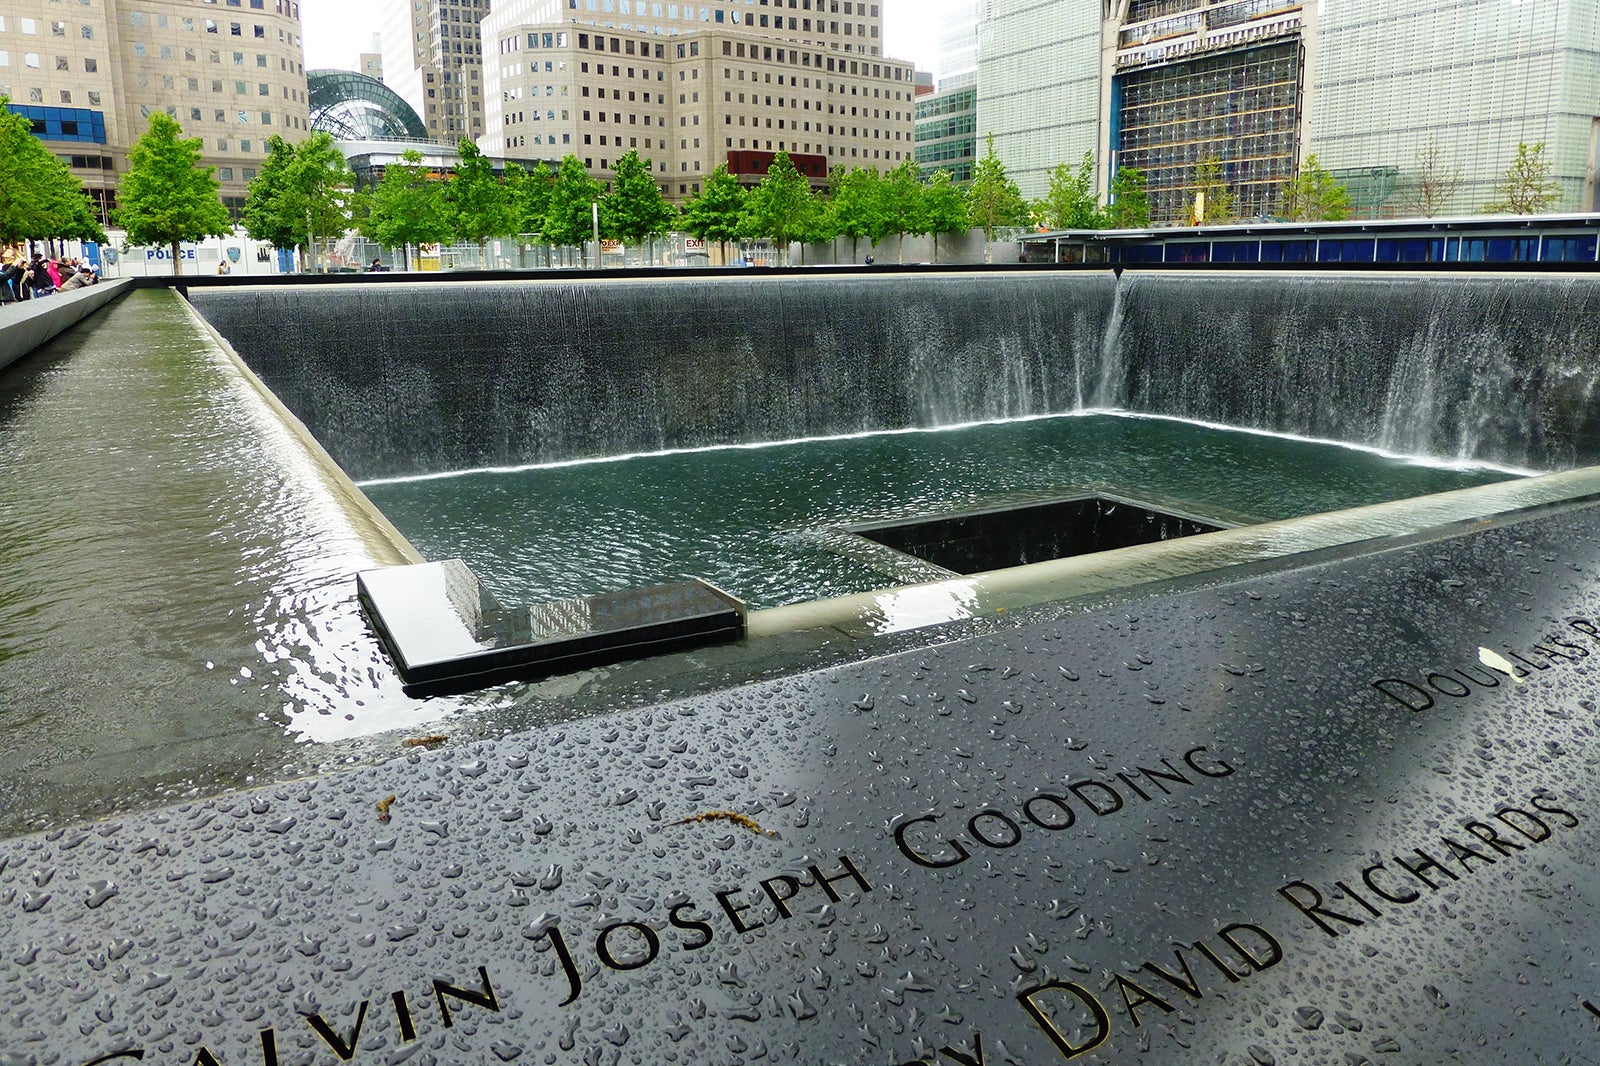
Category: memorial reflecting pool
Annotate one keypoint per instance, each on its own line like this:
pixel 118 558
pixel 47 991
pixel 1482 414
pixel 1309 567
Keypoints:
pixel 757 520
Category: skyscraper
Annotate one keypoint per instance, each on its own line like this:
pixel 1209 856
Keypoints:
pixel 433 57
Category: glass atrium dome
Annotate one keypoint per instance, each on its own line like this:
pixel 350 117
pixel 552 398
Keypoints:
pixel 356 107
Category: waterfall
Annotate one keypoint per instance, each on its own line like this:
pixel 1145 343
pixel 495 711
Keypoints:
pixel 1109 387
pixel 410 378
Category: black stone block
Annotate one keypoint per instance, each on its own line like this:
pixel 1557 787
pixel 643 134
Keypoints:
pixel 447 633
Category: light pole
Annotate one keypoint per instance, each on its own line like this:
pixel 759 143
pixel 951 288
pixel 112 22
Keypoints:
pixel 594 209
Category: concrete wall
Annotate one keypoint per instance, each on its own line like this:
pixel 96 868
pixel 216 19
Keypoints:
pixel 25 326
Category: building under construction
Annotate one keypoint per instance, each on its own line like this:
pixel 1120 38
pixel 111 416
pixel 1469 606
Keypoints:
pixel 1233 115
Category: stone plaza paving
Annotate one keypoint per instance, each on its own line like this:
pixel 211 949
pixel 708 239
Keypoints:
pixel 1342 811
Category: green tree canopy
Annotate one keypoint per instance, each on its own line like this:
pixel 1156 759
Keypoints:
pixel 166 197
pixel 903 194
pixel 1526 188
pixel 568 218
pixel 943 209
pixel 479 205
pixel 39 197
pixel 1212 200
pixel 1130 205
pixel 407 207
pixel 993 199
pixel 782 207
pixel 634 210
pixel 1071 202
pixel 302 192
pixel 529 191
pixel 269 213
pixel 1313 195
pixel 714 214
pixel 856 206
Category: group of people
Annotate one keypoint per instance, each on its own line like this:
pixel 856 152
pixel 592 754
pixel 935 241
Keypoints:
pixel 24 278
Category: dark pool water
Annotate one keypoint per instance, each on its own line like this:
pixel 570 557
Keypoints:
pixel 748 519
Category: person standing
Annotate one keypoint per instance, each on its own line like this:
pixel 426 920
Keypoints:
pixel 39 279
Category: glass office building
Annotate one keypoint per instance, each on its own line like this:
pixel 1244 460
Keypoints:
pixel 1386 95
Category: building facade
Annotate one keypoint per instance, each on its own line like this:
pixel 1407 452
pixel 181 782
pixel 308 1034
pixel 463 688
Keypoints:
pixel 692 87
pixel 433 57
pixel 90 74
pixel 947 120
pixel 947 132
pixel 1384 95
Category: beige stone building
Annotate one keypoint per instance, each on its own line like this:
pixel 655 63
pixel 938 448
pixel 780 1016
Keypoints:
pixel 692 86
pixel 90 73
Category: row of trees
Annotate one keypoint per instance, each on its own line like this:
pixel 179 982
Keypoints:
pixel 861 204
pixel 305 193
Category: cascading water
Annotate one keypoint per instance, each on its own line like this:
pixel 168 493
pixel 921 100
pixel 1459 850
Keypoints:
pixel 402 379
pixel 1107 393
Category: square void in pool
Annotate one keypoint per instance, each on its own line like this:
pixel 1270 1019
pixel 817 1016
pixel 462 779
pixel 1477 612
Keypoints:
pixel 971 542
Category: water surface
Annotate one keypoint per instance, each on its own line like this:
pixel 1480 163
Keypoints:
pixel 754 519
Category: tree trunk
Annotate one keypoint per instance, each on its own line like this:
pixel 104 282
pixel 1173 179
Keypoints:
pixel 177 264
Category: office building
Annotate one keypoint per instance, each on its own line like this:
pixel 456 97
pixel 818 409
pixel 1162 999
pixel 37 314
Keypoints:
pixel 90 75
pixel 947 120
pixel 1257 86
pixel 692 87
pixel 433 57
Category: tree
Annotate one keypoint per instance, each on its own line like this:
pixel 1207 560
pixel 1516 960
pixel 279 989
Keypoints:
pixel 855 206
pixel 634 211
pixel 407 207
pixel 39 197
pixel 1071 202
pixel 268 214
pixel 782 207
pixel 943 210
pixel 1436 181
pixel 1527 188
pixel 1130 206
pixel 1213 201
pixel 300 193
pixel 903 192
pixel 568 217
pixel 529 194
pixel 167 197
pixel 1313 195
pixel 714 214
pixel 993 200
pixel 478 205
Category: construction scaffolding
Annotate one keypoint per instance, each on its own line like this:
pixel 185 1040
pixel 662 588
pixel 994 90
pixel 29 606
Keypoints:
pixel 1239 108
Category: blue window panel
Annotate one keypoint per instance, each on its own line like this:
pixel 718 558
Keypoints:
pixel 1189 252
pixel 1409 250
pixel 1139 253
pixel 64 123
pixel 1570 249
pixel 1288 251
pixel 1356 251
pixel 1236 252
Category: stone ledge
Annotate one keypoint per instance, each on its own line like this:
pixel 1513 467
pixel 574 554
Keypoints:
pixel 27 325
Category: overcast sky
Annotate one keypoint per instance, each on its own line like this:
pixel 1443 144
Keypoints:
pixel 337 31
